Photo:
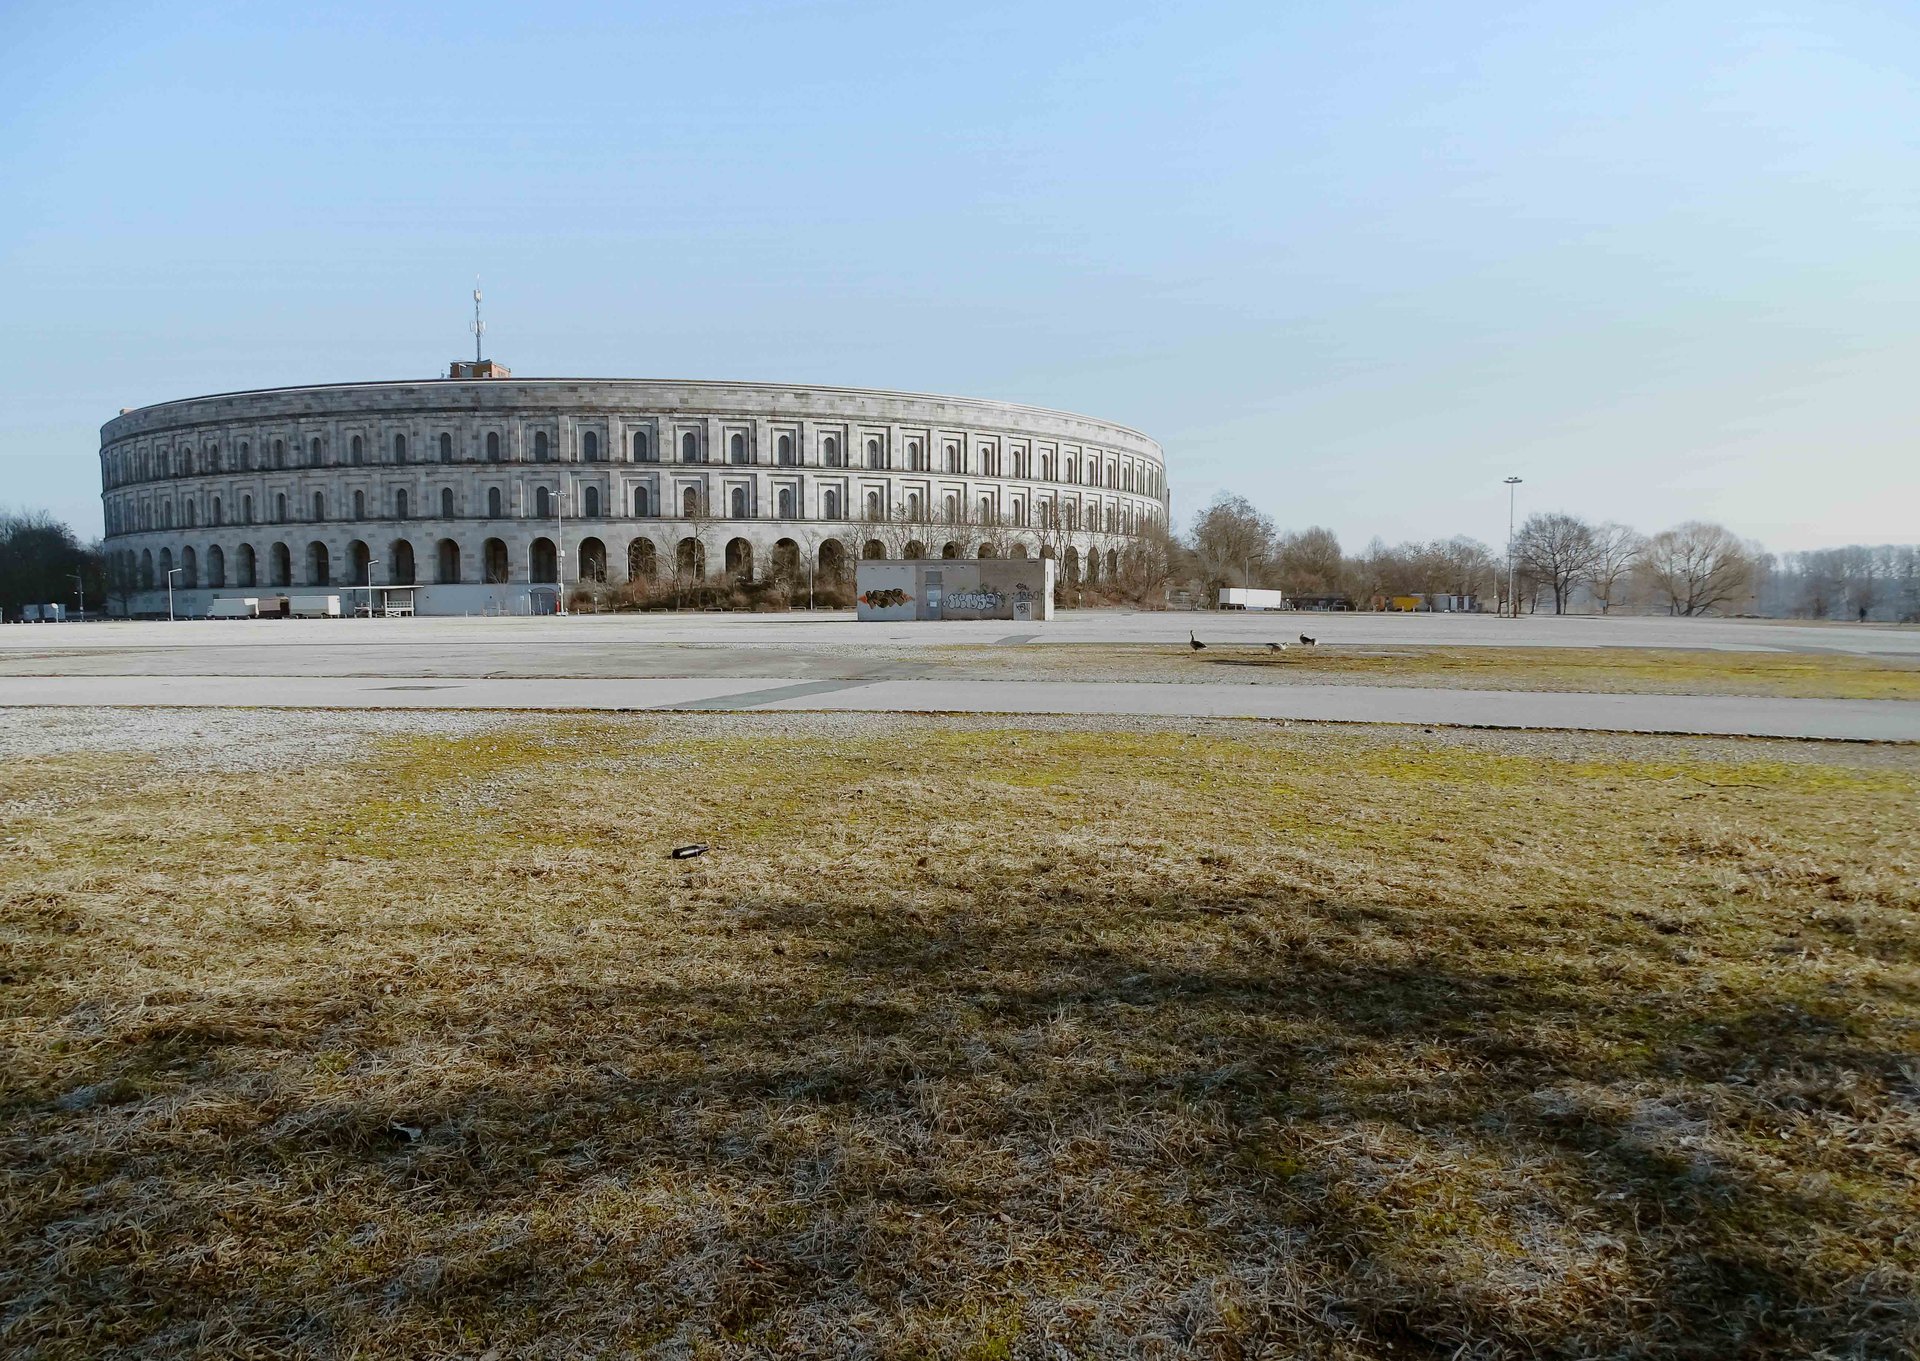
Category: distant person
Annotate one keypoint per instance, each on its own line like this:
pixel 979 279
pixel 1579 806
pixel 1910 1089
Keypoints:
pixel 1863 614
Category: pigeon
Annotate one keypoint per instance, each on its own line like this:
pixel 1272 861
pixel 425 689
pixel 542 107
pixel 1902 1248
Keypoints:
pixel 1195 643
pixel 1306 641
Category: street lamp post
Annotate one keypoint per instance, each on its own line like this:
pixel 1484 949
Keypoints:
pixel 1512 603
pixel 560 546
pixel 371 564
pixel 80 585
pixel 172 572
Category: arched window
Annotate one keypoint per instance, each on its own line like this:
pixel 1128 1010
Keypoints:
pixel 830 451
pixel 539 446
pixel 190 513
pixel 830 504
pixel 246 456
pixel 641 452
pixel 873 505
pixel 313 453
pixel 446 503
pixel 786 503
pixel 279 453
pixel 913 456
pixel 399 448
pixel 213 457
pixel 359 505
pixel 356 451
pixel 739 503
pixel 542 503
pixel 737 448
pixel 689 502
pixel 216 566
pixel 219 512
pixel 189 568
pixel 446 447
pixel 319 505
pixel 689 448
pixel 493 503
pixel 446 562
pixel 246 567
pixel 400 503
pixel 590 447
pixel 953 458
pixel 246 509
pixel 642 502
pixel 493 446
pixel 913 505
pixel 986 510
pixel 784 451
pixel 590 501
pixel 873 454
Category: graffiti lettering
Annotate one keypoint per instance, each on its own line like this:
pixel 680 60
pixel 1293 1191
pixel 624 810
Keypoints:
pixel 974 600
pixel 885 600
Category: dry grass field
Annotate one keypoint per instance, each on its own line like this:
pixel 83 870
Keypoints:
pixel 966 1039
pixel 1603 670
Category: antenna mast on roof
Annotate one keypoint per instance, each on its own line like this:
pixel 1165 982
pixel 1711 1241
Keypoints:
pixel 479 327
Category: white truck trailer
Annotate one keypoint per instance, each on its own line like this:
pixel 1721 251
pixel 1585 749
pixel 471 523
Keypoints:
pixel 1241 598
pixel 314 606
pixel 235 607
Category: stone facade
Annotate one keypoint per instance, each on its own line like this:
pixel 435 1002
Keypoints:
pixel 481 492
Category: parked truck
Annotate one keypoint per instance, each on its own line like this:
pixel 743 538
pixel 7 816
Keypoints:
pixel 235 607
pixel 314 606
pixel 1241 598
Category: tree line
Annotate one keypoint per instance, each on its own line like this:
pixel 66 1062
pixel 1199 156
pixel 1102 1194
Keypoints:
pixel 1558 562
pixel 39 560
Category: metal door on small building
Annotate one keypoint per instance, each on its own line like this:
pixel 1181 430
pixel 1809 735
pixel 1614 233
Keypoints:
pixel 934 583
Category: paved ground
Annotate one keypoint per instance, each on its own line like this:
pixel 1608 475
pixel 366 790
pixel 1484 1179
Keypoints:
pixel 808 646
pixel 828 661
pixel 1876 720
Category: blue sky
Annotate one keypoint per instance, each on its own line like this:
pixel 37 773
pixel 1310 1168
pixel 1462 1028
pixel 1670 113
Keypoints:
pixel 1356 262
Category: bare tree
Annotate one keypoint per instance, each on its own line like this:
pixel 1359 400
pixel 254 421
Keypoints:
pixel 1557 550
pixel 1698 567
pixel 1144 566
pixel 991 533
pixel 1615 550
pixel 1310 563
pixel 1228 538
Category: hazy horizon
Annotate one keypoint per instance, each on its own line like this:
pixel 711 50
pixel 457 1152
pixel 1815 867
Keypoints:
pixel 1357 266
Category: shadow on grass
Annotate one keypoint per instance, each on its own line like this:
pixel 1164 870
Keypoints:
pixel 961 1137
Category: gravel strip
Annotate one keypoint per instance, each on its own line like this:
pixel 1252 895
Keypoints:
pixel 242 740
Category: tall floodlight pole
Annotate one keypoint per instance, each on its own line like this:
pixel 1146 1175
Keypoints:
pixel 172 572
pixel 1512 602
pixel 80 585
pixel 371 564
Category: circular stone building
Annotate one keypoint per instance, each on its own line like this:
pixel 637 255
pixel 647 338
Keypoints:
pixel 489 493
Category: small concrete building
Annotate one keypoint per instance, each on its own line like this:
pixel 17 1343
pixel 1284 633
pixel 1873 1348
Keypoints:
pixel 955 588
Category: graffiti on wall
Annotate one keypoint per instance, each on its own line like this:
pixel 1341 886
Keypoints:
pixel 974 600
pixel 888 599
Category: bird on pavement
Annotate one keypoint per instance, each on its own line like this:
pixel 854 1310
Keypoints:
pixel 1306 641
pixel 1276 647
pixel 1195 643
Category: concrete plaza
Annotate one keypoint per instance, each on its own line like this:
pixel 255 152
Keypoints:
pixel 826 661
